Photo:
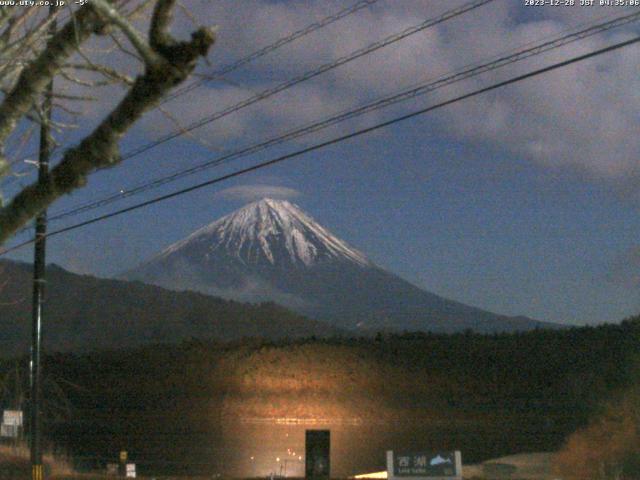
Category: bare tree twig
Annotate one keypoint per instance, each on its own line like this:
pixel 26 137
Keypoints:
pixel 149 55
pixel 172 118
pixel 107 72
pixel 174 63
pixel 38 73
pixel 124 49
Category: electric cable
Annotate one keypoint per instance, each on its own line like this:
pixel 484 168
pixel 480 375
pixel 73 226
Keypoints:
pixel 335 140
pixel 272 47
pixel 263 95
pixel 420 89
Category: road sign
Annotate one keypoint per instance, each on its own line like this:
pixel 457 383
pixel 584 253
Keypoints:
pixel 424 465
pixel 131 470
pixel 9 431
pixel 12 417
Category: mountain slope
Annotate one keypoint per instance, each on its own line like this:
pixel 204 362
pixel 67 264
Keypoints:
pixel 84 312
pixel 272 250
pixel 268 232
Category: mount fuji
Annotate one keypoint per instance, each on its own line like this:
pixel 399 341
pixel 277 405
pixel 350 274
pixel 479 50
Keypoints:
pixel 271 250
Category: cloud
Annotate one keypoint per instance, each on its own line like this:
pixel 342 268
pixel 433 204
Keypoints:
pixel 256 290
pixel 582 117
pixel 249 193
pixel 183 275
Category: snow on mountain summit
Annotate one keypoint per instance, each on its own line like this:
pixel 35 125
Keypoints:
pixel 270 250
pixel 273 231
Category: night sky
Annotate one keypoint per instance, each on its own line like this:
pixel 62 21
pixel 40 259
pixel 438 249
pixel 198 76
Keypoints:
pixel 523 201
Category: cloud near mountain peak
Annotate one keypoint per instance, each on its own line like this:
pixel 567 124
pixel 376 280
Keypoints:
pixel 249 193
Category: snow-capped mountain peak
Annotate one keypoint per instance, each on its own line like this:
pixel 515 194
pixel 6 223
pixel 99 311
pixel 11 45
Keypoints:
pixel 273 231
pixel 271 250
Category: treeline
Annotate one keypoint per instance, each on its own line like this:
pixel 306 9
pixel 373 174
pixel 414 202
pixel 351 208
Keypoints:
pixel 515 392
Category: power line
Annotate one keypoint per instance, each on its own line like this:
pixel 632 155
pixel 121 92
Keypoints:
pixel 335 140
pixel 449 14
pixel 267 49
pixel 420 89
pixel 274 46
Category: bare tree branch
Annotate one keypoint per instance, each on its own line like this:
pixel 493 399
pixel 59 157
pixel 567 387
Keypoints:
pixel 107 72
pixel 149 55
pixel 18 50
pixel 65 108
pixel 35 77
pixel 184 131
pixel 175 62
pixel 139 9
pixel 124 49
pixel 159 36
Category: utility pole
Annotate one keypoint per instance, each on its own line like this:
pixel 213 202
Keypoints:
pixel 39 263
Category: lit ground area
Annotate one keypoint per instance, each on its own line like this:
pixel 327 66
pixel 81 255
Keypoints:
pixel 526 466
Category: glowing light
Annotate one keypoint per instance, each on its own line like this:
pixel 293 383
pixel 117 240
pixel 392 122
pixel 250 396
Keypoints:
pixel 371 475
pixel 278 459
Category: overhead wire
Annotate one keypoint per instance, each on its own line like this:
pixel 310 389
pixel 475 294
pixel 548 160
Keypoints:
pixel 417 90
pixel 308 29
pixel 447 15
pixel 228 68
pixel 335 140
pixel 269 92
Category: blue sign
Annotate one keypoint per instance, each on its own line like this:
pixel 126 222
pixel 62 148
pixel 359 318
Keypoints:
pixel 440 465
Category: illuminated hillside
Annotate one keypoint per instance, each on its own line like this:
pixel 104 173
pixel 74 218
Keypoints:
pixel 207 407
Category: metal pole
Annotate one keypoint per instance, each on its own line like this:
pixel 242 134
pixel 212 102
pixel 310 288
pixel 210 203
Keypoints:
pixel 39 262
